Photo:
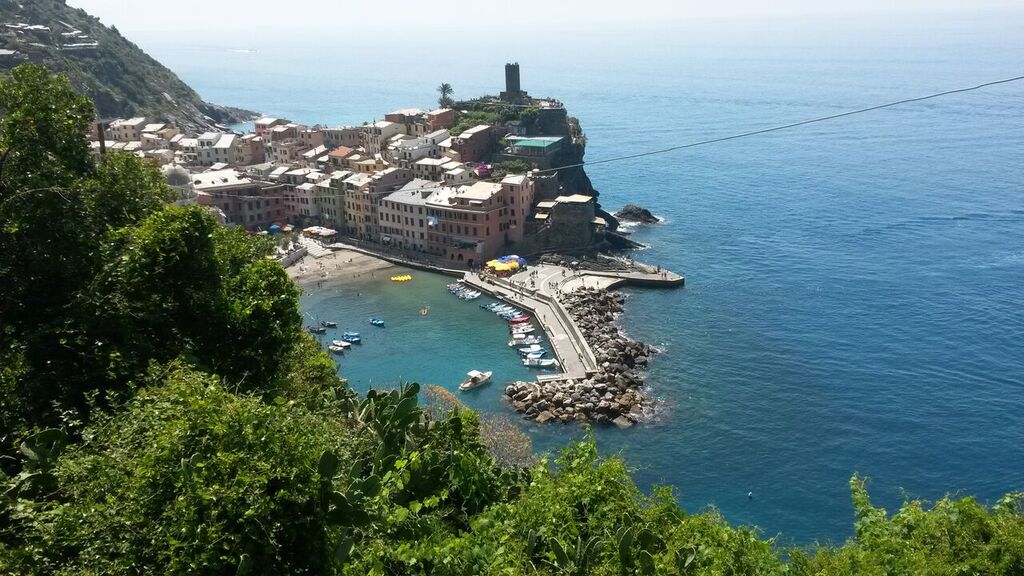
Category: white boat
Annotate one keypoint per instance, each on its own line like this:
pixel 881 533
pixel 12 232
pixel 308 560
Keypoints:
pixel 523 329
pixel 530 348
pixel 341 344
pixel 533 355
pixel 540 362
pixel 335 349
pixel 524 340
pixel 475 378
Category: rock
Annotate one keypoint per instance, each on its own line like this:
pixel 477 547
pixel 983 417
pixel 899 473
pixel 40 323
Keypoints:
pixel 622 422
pixel 544 416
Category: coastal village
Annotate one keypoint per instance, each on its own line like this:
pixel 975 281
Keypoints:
pixel 415 181
pixel 438 190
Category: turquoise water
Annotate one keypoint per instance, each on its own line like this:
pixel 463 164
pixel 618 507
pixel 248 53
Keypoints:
pixel 456 336
pixel 854 289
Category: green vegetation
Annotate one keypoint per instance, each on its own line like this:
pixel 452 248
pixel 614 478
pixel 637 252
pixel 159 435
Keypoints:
pixel 445 92
pixel 511 167
pixel 163 413
pixel 118 76
pixel 473 112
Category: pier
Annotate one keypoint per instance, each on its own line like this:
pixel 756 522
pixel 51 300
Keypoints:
pixel 538 289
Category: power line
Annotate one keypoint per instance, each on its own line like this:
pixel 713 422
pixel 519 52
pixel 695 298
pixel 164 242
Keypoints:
pixel 698 143
pixel 792 125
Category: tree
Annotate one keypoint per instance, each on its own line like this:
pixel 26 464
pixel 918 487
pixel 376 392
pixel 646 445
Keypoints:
pixel 191 479
pixel 445 91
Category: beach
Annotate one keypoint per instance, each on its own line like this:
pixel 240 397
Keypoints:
pixel 342 266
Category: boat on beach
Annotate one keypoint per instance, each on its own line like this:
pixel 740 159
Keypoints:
pixel 540 362
pixel 475 378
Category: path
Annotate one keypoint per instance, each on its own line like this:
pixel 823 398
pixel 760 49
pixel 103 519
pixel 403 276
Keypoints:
pixel 567 343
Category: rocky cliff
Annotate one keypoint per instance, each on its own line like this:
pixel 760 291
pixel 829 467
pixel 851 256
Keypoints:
pixel 120 78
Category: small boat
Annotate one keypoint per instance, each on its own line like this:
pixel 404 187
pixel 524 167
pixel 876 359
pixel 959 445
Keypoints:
pixel 531 348
pixel 336 349
pixel 535 355
pixel 540 362
pixel 343 344
pixel 317 330
pixel 523 329
pixel 475 378
pixel 377 322
pixel 523 340
pixel 519 319
pixel 352 337
pixel 328 324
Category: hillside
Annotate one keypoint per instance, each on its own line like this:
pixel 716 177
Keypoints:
pixel 120 79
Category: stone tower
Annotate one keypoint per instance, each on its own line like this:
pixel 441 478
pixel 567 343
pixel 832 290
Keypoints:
pixel 513 92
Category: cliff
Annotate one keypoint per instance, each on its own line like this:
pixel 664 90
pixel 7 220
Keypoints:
pixel 121 79
pixel 536 120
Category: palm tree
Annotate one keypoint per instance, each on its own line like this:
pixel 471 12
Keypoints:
pixel 446 91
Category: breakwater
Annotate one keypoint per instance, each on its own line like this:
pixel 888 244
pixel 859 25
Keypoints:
pixel 612 392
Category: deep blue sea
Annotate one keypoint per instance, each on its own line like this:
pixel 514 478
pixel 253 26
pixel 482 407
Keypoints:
pixel 855 289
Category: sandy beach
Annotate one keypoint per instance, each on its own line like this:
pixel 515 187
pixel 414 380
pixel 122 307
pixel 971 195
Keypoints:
pixel 340 267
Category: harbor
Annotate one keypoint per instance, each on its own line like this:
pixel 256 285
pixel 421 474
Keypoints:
pixel 583 370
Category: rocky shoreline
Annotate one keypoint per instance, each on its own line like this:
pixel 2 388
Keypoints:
pixel 613 395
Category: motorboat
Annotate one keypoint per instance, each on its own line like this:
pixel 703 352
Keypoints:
pixel 377 322
pixel 336 349
pixel 531 348
pixel 519 319
pixel 524 340
pixel 535 355
pixel 523 328
pixel 343 344
pixel 317 330
pixel 475 378
pixel 540 362
pixel 352 337
pixel 328 324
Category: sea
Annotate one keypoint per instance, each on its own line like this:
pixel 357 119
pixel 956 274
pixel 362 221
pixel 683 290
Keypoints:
pixel 855 288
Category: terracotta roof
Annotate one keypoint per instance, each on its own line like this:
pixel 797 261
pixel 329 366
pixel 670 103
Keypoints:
pixel 340 152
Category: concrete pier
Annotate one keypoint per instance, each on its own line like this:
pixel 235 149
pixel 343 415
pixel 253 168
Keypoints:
pixel 567 343
pixel 538 290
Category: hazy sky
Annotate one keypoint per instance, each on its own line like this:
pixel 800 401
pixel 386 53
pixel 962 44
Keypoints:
pixel 229 17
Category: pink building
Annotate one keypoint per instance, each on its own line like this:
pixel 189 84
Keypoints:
pixel 472 224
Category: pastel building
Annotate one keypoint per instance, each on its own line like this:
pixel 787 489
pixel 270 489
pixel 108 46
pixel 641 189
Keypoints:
pixel 472 224
pixel 242 200
pixel 127 130
pixel 362 194
pixel 377 135
pixel 474 144
pixel 403 219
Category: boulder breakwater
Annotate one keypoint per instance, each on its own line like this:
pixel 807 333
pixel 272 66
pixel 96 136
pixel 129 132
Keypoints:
pixel 611 394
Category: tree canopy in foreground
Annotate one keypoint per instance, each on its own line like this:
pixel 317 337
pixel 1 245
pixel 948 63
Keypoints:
pixel 162 412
